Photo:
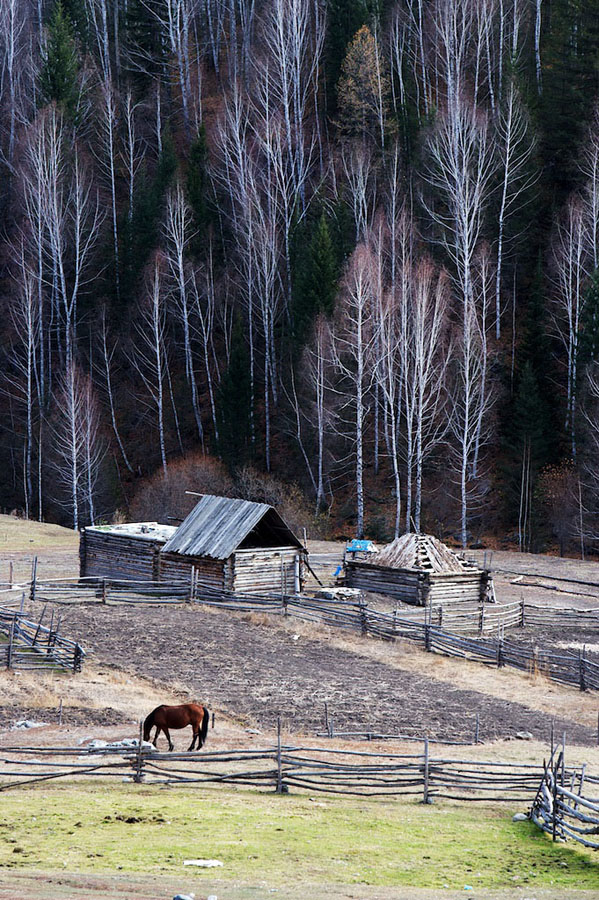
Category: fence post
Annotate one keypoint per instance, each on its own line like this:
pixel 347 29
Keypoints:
pixel 279 762
pixel 363 619
pixel 104 592
pixel 33 578
pixel 10 574
pixel 11 637
pixel 481 618
pixel 77 658
pixel 582 664
pixel 326 716
pixel 191 584
pixel 139 775
pixel 476 729
pixel 499 652
pixel 426 798
pixel 522 612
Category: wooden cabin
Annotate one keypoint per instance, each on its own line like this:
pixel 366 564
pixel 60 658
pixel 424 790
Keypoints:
pixel 420 569
pixel 129 551
pixel 224 544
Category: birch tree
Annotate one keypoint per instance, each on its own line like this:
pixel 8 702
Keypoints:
pixel 353 344
pixel 150 348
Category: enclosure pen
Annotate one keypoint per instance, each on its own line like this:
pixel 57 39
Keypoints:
pixel 281 768
pixel 417 626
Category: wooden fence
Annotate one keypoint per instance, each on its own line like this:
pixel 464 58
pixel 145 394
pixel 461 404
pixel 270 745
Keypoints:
pixel 561 809
pixel 282 768
pixel 31 645
pixel 450 637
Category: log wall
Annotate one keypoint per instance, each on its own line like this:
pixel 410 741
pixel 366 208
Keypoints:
pixel 110 555
pixel 409 586
pixel 257 571
pixel 268 571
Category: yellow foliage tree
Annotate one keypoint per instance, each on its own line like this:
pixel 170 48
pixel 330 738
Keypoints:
pixel 364 90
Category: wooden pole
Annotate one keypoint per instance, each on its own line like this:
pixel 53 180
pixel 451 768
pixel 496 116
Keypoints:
pixel 138 777
pixel 426 798
pixel 476 729
pixel 279 762
pixel 10 574
pixel 60 712
pixel 11 637
pixel 33 578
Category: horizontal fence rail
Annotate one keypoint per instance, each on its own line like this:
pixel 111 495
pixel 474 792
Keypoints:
pixel 282 768
pixel 561 809
pixel 458 630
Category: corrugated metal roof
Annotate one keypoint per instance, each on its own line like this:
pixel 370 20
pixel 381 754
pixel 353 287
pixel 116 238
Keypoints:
pixel 218 525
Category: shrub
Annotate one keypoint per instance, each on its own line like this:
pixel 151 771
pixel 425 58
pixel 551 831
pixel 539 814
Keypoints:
pixel 163 499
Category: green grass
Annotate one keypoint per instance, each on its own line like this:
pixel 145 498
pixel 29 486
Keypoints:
pixel 290 838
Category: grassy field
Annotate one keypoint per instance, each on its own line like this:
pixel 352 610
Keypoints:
pixel 23 534
pixel 264 837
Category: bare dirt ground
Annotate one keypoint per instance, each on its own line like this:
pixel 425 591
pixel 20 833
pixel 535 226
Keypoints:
pixel 62 886
pixel 257 669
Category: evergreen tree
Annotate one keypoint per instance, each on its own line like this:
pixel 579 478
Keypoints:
pixel 316 282
pixel 570 56
pixel 59 76
pixel 139 236
pixel 234 401
pixel 145 47
pixel 589 330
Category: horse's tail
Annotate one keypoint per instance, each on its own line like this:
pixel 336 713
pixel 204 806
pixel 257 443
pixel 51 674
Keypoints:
pixel 148 725
pixel 205 723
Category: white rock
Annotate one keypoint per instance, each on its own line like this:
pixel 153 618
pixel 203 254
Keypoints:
pixel 27 723
pixel 520 817
pixel 203 863
pixel 524 736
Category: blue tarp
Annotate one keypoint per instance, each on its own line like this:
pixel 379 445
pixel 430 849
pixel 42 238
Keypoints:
pixel 357 546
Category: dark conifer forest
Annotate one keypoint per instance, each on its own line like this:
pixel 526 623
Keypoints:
pixel 337 255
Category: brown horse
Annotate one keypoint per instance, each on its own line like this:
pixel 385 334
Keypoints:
pixel 165 717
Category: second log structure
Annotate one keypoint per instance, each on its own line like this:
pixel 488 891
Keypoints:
pixel 420 569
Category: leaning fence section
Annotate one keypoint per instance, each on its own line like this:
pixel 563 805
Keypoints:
pixel 562 806
pixel 31 645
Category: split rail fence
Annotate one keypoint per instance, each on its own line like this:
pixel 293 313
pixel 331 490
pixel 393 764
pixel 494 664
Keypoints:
pixel 31 645
pixel 560 807
pixel 282 768
pixel 456 631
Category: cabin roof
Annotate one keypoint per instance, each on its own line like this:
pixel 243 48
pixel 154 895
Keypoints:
pixel 421 552
pixel 148 531
pixel 217 526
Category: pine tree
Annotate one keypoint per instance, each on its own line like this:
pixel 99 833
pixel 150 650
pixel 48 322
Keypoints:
pixel 59 76
pixel 139 236
pixel 589 332
pixel 316 283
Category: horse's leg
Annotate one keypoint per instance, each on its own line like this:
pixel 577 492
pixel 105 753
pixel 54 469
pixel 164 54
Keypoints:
pixel 171 746
pixel 155 741
pixel 196 734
